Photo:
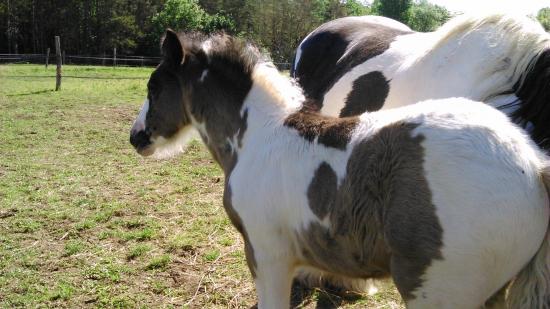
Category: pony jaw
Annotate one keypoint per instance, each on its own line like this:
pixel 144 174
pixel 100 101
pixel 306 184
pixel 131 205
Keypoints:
pixel 165 148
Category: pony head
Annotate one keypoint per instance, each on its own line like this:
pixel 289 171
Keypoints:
pixel 163 124
pixel 201 83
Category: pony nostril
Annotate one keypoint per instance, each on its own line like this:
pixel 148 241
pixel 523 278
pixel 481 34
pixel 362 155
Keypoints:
pixel 133 138
pixel 139 139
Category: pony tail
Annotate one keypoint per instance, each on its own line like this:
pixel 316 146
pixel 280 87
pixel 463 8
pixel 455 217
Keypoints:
pixel 531 287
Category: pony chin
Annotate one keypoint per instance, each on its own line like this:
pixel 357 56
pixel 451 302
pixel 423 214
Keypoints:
pixel 168 148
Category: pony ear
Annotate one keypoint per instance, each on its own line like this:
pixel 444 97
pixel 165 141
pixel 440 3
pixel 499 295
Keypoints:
pixel 172 49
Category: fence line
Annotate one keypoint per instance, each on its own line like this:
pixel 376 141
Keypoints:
pixel 125 60
pixel 74 76
pixel 81 57
pixel 22 54
pixel 42 58
pixel 118 59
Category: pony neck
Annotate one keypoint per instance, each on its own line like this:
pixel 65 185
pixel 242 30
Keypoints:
pixel 273 96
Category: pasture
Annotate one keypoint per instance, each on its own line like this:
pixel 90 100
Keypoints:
pixel 86 222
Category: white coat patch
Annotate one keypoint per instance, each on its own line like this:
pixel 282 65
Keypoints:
pixel 139 124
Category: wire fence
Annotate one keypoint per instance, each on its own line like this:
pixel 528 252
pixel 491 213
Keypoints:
pixel 101 60
pixel 119 60
pixel 114 61
pixel 75 76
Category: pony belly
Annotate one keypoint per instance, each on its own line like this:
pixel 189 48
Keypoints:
pixel 491 231
pixel 343 255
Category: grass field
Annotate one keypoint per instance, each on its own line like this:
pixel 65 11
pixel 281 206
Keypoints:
pixel 86 222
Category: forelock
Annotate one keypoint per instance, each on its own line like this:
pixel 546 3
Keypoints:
pixel 220 48
pixel 192 41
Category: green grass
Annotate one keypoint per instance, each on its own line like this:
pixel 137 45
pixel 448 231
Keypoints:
pixel 85 222
pixel 73 247
pixel 159 262
pixel 137 251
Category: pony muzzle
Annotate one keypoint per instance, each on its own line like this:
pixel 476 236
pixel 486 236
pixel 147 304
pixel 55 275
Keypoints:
pixel 142 142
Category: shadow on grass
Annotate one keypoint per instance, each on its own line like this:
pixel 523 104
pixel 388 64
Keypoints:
pixel 326 297
pixel 30 93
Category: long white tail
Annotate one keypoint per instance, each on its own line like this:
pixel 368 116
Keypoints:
pixel 531 287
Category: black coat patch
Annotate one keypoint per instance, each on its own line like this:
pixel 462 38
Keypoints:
pixel 382 219
pixel 321 192
pixel 322 64
pixel 534 94
pixel 331 132
pixel 368 94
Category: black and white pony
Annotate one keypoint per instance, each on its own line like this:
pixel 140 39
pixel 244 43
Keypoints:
pixel 358 64
pixel 450 205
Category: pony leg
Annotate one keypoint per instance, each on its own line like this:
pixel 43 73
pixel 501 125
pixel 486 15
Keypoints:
pixel 273 282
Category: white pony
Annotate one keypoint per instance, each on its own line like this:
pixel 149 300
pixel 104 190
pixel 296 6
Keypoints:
pixel 447 197
pixel 357 64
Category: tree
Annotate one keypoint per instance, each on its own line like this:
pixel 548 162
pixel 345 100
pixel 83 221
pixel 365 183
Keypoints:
pixel 94 27
pixel 356 8
pixel 395 9
pixel 425 16
pixel 543 17
pixel 188 15
pixel 238 11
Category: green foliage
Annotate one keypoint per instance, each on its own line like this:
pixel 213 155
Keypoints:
pixel 136 26
pixel 425 16
pixel 356 8
pixel 543 17
pixel 85 27
pixel 188 15
pixel 180 15
pixel 395 9
pixel 126 35
pixel 219 22
pixel 325 10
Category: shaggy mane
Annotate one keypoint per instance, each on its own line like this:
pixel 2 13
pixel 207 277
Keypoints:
pixel 512 28
pixel 223 51
pixel 527 47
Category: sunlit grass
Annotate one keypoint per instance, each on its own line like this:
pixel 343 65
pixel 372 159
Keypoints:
pixel 85 222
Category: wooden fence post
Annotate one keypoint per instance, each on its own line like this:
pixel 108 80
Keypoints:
pixel 58 57
pixel 47 57
pixel 114 57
